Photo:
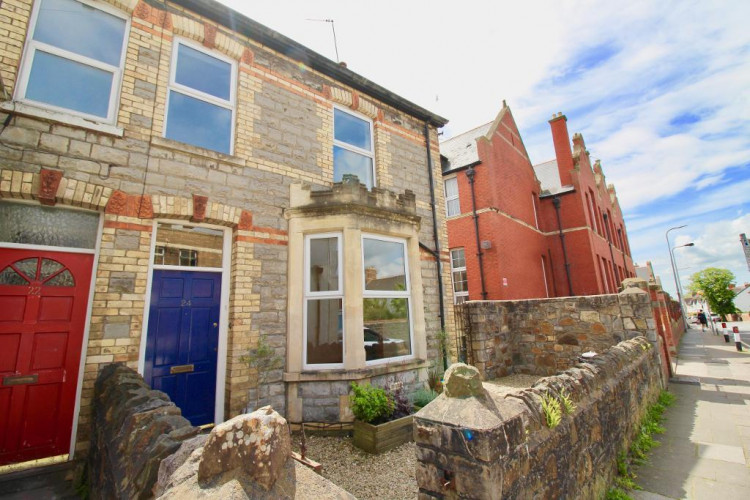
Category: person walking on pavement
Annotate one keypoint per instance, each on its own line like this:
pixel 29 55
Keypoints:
pixel 702 320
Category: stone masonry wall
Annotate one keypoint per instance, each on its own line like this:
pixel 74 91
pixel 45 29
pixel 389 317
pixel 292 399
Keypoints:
pixel 546 336
pixel 483 443
pixel 133 429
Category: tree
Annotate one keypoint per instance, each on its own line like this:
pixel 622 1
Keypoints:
pixel 713 283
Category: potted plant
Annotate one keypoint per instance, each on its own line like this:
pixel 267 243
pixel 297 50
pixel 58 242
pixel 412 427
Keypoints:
pixel 383 418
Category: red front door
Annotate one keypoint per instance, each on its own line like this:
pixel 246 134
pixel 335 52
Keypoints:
pixel 43 296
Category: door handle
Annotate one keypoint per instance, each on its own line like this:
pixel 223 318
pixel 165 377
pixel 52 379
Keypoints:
pixel 215 324
pixel 20 379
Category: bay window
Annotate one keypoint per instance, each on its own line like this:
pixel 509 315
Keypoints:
pixel 324 300
pixel 385 298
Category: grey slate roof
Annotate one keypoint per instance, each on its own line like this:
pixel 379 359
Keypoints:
pixel 549 178
pixel 461 150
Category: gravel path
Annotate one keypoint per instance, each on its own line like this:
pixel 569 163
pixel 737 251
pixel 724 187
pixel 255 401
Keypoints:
pixel 388 476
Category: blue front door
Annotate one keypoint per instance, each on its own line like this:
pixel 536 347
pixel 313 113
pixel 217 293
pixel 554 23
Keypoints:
pixel 183 339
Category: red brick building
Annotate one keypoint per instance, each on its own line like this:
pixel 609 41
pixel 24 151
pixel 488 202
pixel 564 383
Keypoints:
pixel 518 231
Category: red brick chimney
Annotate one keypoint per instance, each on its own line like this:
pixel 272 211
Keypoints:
pixel 563 151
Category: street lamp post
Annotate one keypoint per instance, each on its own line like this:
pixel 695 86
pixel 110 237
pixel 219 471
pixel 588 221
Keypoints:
pixel 674 272
pixel 679 282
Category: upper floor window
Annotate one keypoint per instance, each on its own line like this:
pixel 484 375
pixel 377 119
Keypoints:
pixel 452 205
pixel 458 273
pixel 74 59
pixel 200 109
pixel 353 147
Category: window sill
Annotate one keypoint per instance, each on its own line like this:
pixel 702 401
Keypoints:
pixel 24 109
pixel 358 374
pixel 183 147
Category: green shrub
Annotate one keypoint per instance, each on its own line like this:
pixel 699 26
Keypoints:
pixel 423 397
pixel 552 411
pixel 642 443
pixel 370 404
pixel 617 494
pixel 567 404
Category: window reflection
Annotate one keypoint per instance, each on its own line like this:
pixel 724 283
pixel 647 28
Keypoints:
pixel 384 265
pixel 387 332
pixel 186 246
pixel 385 304
pixel 352 149
pixel 325 332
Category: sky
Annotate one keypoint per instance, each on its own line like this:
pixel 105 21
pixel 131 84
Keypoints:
pixel 660 91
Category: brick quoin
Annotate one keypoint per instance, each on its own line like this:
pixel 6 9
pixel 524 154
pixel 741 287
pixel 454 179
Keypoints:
pixel 518 222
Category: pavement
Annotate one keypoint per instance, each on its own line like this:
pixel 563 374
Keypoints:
pixel 705 452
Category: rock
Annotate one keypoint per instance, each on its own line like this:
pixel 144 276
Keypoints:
pixel 462 381
pixel 256 445
pixel 166 478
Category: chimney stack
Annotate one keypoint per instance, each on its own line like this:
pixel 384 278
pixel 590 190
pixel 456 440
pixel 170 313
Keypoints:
pixel 563 151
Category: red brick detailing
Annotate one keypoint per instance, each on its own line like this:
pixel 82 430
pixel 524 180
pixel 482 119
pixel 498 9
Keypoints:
pixel 121 203
pixel 327 91
pixel 142 10
pixel 355 100
pixel 381 115
pixel 425 255
pixel 153 15
pixel 246 221
pixel 199 208
pixel 127 225
pixel 248 57
pixel 269 230
pixel 209 38
pixel 145 207
pixel 267 241
pixel 49 181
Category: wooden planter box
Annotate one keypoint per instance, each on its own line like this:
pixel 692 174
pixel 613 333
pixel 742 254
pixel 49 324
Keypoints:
pixel 383 437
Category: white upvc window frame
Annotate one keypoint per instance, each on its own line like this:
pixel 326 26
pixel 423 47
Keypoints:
pixel 32 46
pixel 459 297
pixel 351 147
pixel 231 104
pixel 449 199
pixel 328 294
pixel 389 294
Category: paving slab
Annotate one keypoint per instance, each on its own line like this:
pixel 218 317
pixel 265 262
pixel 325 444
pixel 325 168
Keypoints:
pixel 705 452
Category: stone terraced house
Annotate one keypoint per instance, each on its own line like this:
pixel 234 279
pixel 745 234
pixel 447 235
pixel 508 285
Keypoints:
pixel 178 181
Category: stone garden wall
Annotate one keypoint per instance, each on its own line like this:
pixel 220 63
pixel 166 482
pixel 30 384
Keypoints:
pixel 143 448
pixel 134 428
pixel 475 441
pixel 546 336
